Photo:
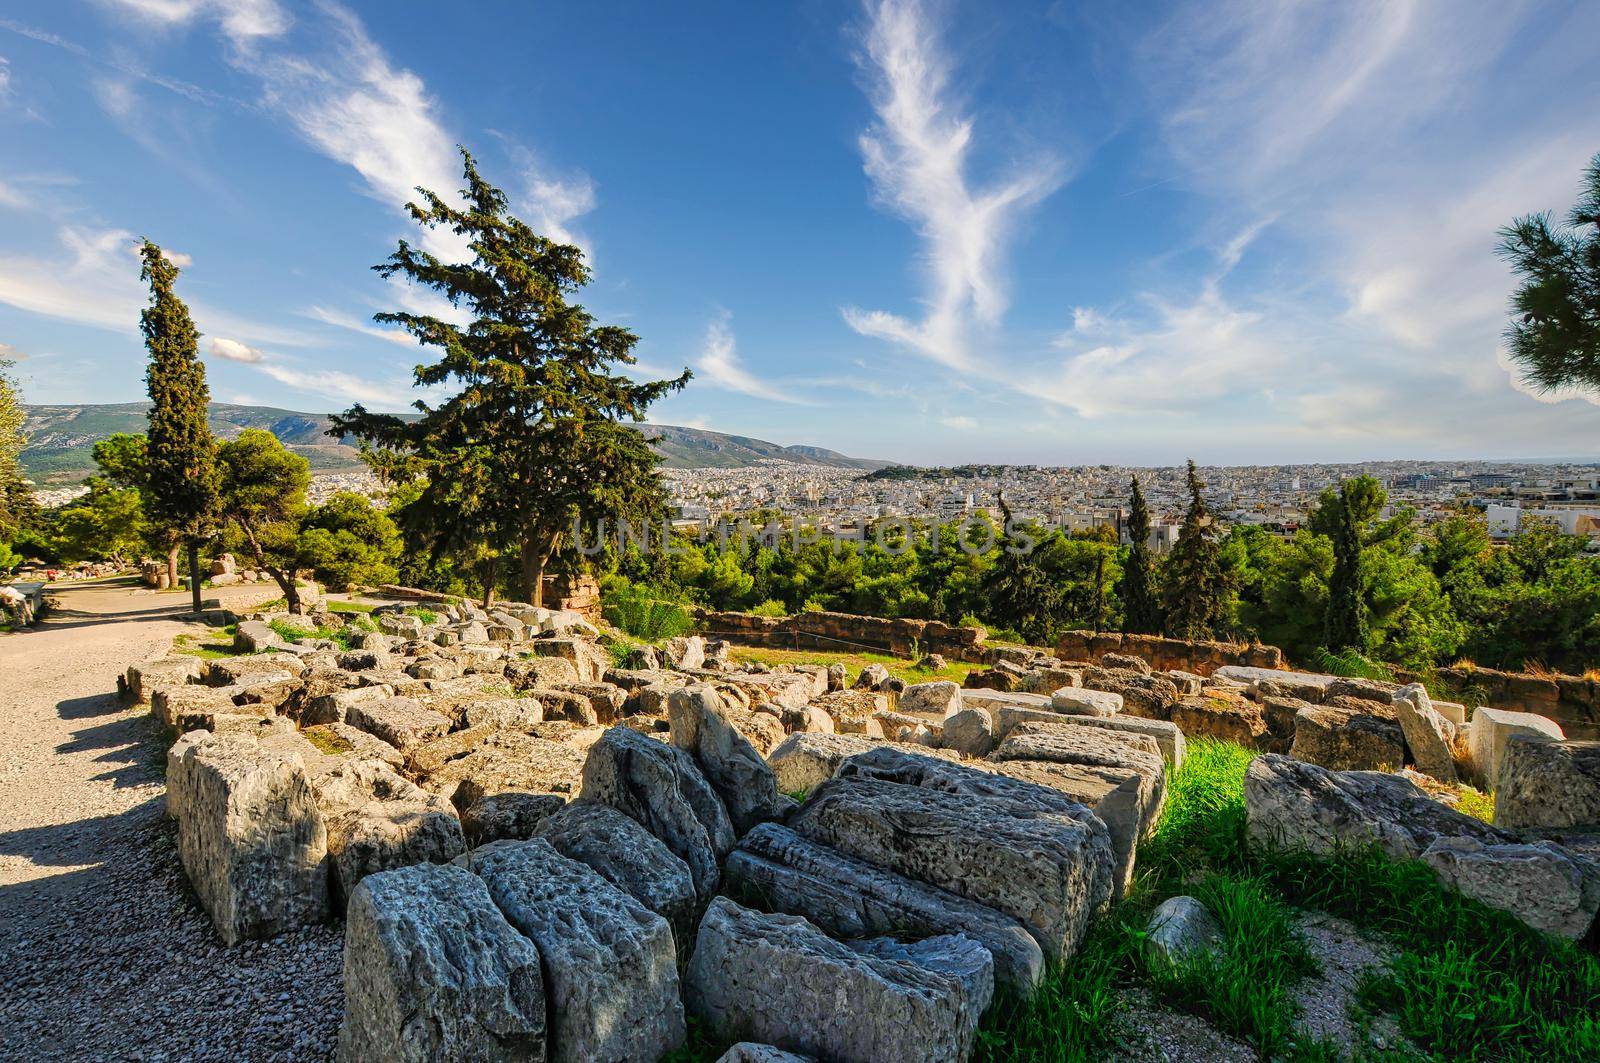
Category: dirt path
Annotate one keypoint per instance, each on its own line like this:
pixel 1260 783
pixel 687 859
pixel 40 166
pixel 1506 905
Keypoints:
pixel 104 952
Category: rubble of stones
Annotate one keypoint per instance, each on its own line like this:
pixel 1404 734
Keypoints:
pixel 539 853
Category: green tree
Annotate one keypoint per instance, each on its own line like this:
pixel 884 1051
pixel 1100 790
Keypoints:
pixel 108 523
pixel 15 498
pixel 1020 595
pixel 263 490
pixel 1141 608
pixel 181 492
pixel 532 441
pixel 1554 333
pixel 1342 516
pixel 348 542
pixel 1195 586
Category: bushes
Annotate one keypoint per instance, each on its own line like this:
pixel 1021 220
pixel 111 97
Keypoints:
pixel 644 617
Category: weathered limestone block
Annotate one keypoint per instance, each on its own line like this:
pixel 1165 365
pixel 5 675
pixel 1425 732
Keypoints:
pixel 1488 732
pixel 1547 784
pixel 255 636
pixel 659 786
pixel 1050 869
pixel 630 858
pixel 587 659
pixel 1296 805
pixel 1078 701
pixel 939 698
pixel 377 820
pixel 854 711
pixel 169 703
pixel 703 726
pixel 249 833
pixel 401 625
pixel 780 979
pixel 402 722
pixel 508 760
pixel 805 761
pixel 433 971
pixel 565 705
pixel 1428 735
pixel 1347 740
pixel 1150 696
pixel 1308 686
pixel 1543 884
pixel 609 965
pixel 329 700
pixel 954 954
pixel 178 670
pixel 509 815
pixel 1228 718
pixel 541 672
pixel 686 652
pixel 433 668
pixel 872 677
pixel 502 712
pixel 340 739
pixel 231 671
pixel 970 732
pixel 852 898
pixel 1168 738
pixel 1377 691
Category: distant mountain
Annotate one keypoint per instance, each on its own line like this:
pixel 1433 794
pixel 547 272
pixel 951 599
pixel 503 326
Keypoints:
pixel 61 441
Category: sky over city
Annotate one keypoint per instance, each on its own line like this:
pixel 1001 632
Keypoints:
pixel 933 232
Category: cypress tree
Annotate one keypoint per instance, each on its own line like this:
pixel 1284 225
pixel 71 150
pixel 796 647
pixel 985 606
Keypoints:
pixel 1343 516
pixel 1141 610
pixel 1195 586
pixel 1018 592
pixel 534 439
pixel 182 486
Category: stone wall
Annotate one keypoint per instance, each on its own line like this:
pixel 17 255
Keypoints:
pixel 1573 701
pixel 844 632
pixel 1162 654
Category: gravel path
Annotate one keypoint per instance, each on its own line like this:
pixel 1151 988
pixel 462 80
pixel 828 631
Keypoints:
pixel 104 953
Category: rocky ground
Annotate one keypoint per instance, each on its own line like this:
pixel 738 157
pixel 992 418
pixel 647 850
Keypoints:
pixel 105 952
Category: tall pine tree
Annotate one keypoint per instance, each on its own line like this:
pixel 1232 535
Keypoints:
pixel 1141 609
pixel 534 439
pixel 1194 584
pixel 1018 593
pixel 181 459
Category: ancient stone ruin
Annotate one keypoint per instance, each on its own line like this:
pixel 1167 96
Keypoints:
pixel 540 854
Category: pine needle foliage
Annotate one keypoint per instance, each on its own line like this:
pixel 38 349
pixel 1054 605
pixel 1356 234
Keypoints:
pixel 534 437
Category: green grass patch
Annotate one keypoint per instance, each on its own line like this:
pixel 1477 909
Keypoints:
pixel 207 646
pixel 327 741
pixel 1476 804
pixel 349 607
pixel 345 638
pixel 427 616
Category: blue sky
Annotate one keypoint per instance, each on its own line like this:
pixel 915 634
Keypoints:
pixel 925 231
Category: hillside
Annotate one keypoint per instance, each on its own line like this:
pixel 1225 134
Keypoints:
pixel 61 440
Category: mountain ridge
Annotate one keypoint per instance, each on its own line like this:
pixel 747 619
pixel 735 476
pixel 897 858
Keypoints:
pixel 61 438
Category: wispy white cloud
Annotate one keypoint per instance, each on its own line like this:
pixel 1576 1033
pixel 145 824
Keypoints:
pixel 9 353
pixel 340 386
pixel 243 21
pixel 355 324
pixel 719 365
pixel 234 351
pixel 917 154
pixel 93 280
pixel 959 422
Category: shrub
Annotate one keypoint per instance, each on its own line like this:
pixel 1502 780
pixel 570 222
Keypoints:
pixel 634 611
pixel 770 607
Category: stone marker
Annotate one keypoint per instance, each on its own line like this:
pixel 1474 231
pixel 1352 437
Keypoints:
pixel 1428 734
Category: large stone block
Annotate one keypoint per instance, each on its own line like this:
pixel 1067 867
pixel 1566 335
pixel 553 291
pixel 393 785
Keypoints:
pixel 378 820
pixel 629 857
pixel 1211 714
pixel 433 971
pixel 250 835
pixel 402 722
pixel 1545 885
pixel 178 670
pixel 659 786
pixel 1347 739
pixel 1428 734
pixel 940 698
pixel 851 898
pixel 1078 701
pixel 609 965
pixel 1050 869
pixel 703 726
pixel 1296 805
pixel 1548 785
pixel 1489 731
pixel 781 980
